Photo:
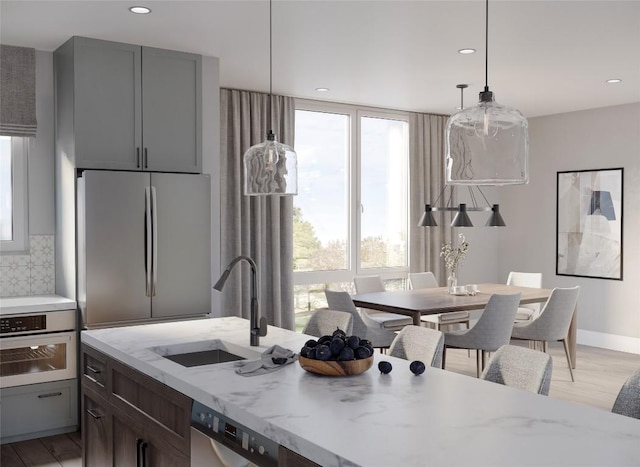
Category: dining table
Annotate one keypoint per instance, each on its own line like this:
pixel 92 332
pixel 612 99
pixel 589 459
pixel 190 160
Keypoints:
pixel 429 301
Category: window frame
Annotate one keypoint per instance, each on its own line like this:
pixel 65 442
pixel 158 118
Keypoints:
pixel 354 208
pixel 20 192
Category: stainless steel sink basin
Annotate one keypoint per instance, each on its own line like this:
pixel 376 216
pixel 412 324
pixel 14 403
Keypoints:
pixel 205 353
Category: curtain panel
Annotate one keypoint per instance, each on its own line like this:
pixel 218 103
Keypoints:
pixel 257 226
pixel 426 168
pixel 17 91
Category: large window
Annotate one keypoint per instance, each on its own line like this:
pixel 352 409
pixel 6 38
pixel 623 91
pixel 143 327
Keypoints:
pixel 13 194
pixel 351 212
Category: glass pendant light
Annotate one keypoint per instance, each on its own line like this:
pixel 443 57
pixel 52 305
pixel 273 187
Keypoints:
pixel 487 144
pixel 270 167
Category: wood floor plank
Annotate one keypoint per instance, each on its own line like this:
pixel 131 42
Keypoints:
pixel 9 457
pixel 62 447
pixel 34 454
pixel 76 437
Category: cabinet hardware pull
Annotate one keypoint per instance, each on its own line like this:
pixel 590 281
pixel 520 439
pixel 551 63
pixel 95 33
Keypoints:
pixel 138 452
pixel 93 414
pixel 93 370
pixel 93 380
pixel 51 394
pixel 144 454
pixel 146 158
pixel 138 157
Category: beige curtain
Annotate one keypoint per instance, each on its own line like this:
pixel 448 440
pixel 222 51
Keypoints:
pixel 257 226
pixel 427 151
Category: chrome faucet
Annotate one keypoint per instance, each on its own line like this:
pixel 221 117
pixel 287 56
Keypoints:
pixel 257 325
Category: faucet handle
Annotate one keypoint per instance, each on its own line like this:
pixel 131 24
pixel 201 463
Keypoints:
pixel 262 330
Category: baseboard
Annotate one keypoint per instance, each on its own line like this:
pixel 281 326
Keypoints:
pixel 609 341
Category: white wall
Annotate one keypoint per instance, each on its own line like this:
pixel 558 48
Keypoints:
pixel 609 310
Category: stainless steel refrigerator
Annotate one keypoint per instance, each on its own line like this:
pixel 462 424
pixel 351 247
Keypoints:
pixel 144 246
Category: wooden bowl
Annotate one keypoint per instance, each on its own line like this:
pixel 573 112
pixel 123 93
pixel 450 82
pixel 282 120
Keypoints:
pixel 336 368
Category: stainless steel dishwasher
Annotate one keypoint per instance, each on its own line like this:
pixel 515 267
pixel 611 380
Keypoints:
pixel 218 441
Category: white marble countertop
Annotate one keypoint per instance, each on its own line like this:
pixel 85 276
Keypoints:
pixel 438 418
pixel 35 303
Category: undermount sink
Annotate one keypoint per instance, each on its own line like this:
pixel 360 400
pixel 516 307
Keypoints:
pixel 209 352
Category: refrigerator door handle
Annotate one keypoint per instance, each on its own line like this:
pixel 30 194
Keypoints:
pixel 154 265
pixel 147 239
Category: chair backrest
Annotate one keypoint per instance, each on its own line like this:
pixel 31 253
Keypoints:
pixel 520 368
pixel 341 301
pixel 525 279
pixel 368 284
pixel 553 322
pixel 493 329
pixel 422 280
pixel 628 400
pixel 324 322
pixel 418 343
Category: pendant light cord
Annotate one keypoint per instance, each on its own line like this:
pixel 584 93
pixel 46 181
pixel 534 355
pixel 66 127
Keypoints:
pixel 486 46
pixel 270 71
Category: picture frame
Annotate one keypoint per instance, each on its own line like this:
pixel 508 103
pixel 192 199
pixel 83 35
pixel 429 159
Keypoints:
pixel 589 221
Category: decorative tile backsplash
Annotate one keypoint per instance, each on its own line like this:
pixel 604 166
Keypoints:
pixel 30 274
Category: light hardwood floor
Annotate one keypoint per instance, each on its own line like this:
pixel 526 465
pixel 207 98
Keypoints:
pixel 599 376
pixel 599 373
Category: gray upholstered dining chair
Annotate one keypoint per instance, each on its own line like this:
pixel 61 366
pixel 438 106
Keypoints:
pixel 372 284
pixel 427 280
pixel 363 326
pixel 552 324
pixel 526 279
pixel 418 343
pixel 324 322
pixel 520 368
pixel 628 401
pixel 490 332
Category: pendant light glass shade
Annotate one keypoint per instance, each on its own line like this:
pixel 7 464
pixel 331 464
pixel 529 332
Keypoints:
pixel 487 144
pixel 270 168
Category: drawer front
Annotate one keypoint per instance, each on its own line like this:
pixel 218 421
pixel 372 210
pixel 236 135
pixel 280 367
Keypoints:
pixel 94 370
pixel 38 407
pixel 164 411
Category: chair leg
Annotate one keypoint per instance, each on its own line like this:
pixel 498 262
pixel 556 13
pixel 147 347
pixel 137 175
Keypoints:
pixel 444 355
pixel 478 363
pixel 468 350
pixel 566 352
pixel 544 346
pixel 484 359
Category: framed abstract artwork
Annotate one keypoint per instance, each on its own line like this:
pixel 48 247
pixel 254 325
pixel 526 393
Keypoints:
pixel 589 223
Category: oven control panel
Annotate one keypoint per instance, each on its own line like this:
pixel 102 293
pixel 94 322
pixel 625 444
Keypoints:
pixel 248 443
pixel 23 323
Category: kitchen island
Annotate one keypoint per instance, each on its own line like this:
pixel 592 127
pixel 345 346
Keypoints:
pixel 438 418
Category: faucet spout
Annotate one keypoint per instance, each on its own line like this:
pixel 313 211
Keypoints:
pixel 257 325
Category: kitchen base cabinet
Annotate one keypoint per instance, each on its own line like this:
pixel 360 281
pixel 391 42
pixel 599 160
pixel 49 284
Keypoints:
pixel 129 418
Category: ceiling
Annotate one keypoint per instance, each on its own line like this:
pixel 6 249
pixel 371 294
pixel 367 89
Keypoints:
pixel 545 57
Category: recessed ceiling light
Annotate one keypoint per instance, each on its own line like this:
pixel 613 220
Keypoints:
pixel 140 10
pixel 322 89
pixel 467 51
pixel 614 80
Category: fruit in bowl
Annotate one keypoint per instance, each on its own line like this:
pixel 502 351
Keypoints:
pixel 336 355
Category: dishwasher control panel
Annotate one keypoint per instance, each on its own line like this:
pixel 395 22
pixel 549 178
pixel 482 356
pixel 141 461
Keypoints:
pixel 244 441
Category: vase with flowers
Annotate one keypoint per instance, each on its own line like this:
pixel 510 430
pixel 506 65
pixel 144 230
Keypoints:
pixel 453 257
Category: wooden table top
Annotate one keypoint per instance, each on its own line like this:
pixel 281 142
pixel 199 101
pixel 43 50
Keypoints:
pixel 437 300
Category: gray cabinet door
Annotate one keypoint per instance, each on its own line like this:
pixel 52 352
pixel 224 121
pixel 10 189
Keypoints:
pixel 172 110
pixel 107 104
pixel 183 266
pixel 112 253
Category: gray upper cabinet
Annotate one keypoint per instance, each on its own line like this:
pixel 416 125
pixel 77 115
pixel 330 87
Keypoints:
pixel 127 107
